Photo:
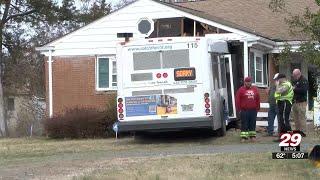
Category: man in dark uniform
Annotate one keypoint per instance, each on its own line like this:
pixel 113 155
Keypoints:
pixel 300 88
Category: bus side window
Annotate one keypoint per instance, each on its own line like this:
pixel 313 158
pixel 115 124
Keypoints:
pixel 223 72
pixel 215 71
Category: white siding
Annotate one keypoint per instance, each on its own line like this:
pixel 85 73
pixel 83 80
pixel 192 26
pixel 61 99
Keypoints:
pixel 100 37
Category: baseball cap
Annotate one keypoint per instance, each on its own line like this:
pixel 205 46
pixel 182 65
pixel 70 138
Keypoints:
pixel 248 79
pixel 279 76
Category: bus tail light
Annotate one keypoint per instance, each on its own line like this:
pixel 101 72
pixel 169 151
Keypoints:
pixel 120 108
pixel 165 75
pixel 207 103
pixel 158 75
pixel 207 106
pixel 207 100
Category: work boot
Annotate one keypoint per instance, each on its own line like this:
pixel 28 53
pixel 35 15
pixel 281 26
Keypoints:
pixel 243 140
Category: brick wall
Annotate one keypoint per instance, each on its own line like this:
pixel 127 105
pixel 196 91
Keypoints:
pixel 74 84
pixel 273 69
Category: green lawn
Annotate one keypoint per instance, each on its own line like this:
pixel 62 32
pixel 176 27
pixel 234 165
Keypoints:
pixel 218 166
pixel 25 158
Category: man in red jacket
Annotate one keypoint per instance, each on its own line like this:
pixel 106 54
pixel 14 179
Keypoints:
pixel 248 104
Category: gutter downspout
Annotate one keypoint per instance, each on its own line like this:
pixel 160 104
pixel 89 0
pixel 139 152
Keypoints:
pixel 245 59
pixel 50 84
pixel 47 51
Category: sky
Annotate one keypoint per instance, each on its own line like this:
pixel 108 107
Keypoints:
pixel 113 2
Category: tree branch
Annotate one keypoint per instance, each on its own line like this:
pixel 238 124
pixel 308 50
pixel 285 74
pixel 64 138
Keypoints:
pixel 15 7
pixel 5 13
pixel 21 14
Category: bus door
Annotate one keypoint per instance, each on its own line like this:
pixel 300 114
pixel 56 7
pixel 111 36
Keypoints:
pixel 227 82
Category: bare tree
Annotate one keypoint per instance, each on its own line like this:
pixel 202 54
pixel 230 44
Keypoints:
pixel 25 24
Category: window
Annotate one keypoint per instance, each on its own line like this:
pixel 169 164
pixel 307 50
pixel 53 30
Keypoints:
pixel 11 104
pixel 146 60
pixel 215 71
pixel 223 72
pixel 176 58
pixel 161 59
pixel 114 74
pixel 106 73
pixel 258 67
pixel 259 70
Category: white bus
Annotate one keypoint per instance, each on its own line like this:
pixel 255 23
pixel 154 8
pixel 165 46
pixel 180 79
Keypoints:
pixel 174 83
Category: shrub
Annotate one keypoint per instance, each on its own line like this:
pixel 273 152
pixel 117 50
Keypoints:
pixel 81 123
pixel 111 114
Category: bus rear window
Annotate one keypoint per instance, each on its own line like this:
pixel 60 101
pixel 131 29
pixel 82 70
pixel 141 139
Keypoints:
pixel 176 58
pixel 161 59
pixel 146 60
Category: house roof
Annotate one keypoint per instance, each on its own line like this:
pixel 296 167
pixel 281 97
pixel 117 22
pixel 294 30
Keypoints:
pixel 205 15
pixel 253 16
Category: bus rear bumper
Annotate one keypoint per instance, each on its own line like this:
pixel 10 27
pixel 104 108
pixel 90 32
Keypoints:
pixel 167 124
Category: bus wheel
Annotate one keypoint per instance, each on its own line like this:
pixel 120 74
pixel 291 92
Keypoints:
pixel 223 130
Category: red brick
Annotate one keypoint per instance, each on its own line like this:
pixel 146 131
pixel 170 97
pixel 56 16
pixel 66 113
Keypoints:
pixel 74 84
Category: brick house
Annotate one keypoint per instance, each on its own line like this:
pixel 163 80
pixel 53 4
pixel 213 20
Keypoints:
pixel 81 66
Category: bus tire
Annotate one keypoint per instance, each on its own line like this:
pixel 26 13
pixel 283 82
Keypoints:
pixel 222 131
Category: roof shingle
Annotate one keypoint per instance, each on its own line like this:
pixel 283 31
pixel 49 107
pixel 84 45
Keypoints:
pixel 252 16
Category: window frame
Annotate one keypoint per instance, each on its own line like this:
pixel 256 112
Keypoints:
pixel 260 54
pixel 111 60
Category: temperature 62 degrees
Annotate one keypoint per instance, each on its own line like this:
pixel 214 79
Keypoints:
pixel 279 155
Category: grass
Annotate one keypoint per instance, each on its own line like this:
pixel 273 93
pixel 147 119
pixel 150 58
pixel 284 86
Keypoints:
pixel 218 166
pixel 20 149
pixel 93 159
pixel 15 150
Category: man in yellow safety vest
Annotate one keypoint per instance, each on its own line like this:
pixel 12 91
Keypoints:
pixel 284 96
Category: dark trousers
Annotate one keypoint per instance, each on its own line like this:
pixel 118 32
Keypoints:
pixel 284 108
pixel 273 111
pixel 248 122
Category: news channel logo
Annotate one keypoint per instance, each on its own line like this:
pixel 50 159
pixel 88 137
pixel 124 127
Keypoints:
pixel 290 147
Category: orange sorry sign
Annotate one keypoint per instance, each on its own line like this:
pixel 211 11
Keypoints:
pixel 184 74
